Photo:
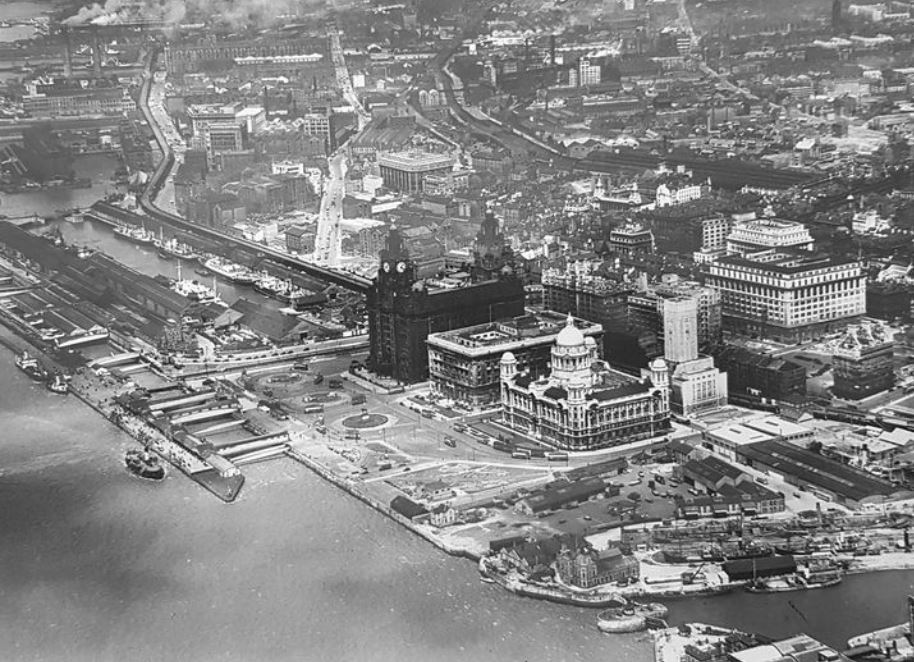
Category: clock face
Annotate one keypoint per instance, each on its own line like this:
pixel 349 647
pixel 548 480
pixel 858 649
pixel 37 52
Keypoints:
pixel 387 267
pixel 401 267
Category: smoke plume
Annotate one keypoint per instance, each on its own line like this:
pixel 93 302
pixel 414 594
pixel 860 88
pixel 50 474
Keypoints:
pixel 237 13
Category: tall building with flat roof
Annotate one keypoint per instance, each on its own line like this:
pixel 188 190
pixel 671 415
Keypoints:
pixel 764 233
pixel 464 363
pixel 680 329
pixel 786 295
pixel 406 171
pixel 864 361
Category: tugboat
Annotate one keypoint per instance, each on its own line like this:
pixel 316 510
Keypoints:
pixel 58 384
pixel 30 366
pixel 144 464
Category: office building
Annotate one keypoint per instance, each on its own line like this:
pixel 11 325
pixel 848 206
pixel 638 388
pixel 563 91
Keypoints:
pixel 62 101
pixel 754 377
pixel 864 361
pixel 790 296
pixel 583 404
pixel 630 239
pixel 405 171
pixel 404 309
pixel 696 384
pixel 223 129
pixel 763 233
pixel 464 363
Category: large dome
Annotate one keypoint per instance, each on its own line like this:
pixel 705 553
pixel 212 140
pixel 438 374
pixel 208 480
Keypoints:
pixel 570 336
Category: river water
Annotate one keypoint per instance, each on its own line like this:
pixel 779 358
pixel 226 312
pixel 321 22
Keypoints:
pixel 98 167
pixel 98 565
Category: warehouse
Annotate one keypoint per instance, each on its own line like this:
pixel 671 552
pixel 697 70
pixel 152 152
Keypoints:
pixel 826 478
pixel 759 568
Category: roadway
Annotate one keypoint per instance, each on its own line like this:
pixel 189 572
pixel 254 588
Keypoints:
pixel 157 181
pixel 329 241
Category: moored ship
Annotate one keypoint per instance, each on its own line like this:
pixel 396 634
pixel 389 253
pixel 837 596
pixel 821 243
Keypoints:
pixel 235 273
pixel 196 291
pixel 172 248
pixel 30 366
pixel 276 288
pixel 135 234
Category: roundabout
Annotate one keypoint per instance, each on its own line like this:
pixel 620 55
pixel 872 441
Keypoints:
pixel 364 421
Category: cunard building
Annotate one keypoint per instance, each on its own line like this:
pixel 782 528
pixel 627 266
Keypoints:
pixel 583 404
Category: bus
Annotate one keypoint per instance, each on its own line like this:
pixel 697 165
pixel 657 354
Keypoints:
pixel 557 456
pixel 313 409
pixel 521 454
pixel 358 399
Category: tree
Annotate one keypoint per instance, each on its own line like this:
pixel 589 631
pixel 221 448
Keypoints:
pixel 814 446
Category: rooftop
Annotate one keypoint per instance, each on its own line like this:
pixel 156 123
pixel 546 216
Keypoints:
pixel 529 330
pixel 782 261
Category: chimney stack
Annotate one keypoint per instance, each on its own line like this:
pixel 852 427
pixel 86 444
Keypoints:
pixel 67 53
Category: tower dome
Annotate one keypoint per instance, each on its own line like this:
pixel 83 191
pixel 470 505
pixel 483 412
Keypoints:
pixel 508 357
pixel 570 336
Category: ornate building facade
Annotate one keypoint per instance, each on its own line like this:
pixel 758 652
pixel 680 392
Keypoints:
pixel 583 404
pixel 404 309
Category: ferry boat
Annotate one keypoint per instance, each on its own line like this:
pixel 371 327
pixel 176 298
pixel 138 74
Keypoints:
pixel 144 464
pixel 134 234
pixel 75 217
pixel 235 273
pixel 30 366
pixel 58 384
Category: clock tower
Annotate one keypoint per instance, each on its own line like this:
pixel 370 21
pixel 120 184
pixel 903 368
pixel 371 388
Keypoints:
pixel 491 254
pixel 396 270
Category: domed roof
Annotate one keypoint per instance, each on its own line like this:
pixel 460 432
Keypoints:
pixel 570 336
pixel 508 357
pixel 658 364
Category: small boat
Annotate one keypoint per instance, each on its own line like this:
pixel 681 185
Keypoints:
pixel 58 384
pixel 30 366
pixel 75 217
pixel 144 464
